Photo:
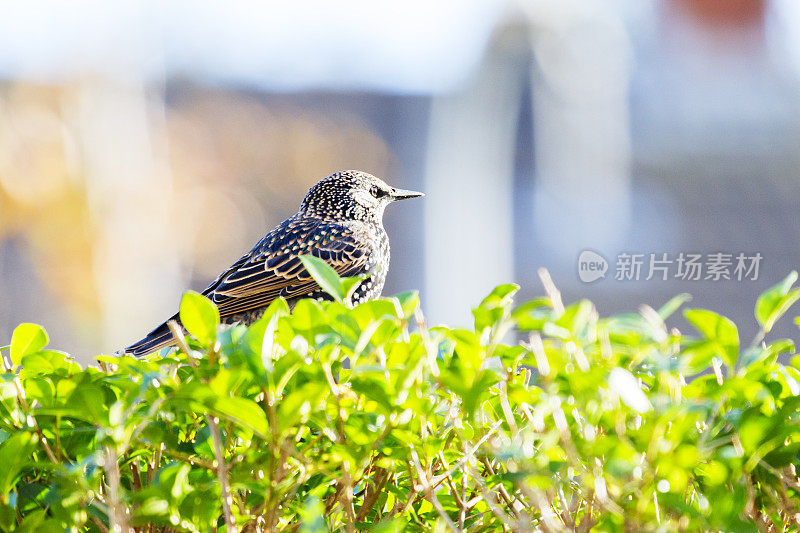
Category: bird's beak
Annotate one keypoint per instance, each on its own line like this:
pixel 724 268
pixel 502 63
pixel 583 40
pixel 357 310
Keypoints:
pixel 402 194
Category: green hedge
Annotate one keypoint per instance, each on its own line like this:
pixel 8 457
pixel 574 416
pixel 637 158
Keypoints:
pixel 614 423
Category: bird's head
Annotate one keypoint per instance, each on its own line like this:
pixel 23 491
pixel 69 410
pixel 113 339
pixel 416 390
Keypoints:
pixel 352 195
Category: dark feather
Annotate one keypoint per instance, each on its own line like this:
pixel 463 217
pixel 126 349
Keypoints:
pixel 272 269
pixel 160 337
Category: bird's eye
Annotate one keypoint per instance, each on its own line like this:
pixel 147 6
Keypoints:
pixel 377 192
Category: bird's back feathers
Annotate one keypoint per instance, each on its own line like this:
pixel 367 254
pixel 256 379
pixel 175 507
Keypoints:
pixel 273 268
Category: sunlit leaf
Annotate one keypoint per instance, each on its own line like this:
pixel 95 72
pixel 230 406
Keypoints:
pixel 244 412
pixel 627 387
pixel 200 317
pixel 26 339
pixel 14 452
pixel 720 330
pixel 775 301
pixel 325 276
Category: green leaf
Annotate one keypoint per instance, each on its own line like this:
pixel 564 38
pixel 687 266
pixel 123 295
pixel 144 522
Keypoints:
pixel 260 334
pixel 720 330
pixel 349 286
pixel 480 389
pixel 308 317
pixel 576 317
pixel 298 404
pixel 468 349
pixel 775 301
pixel 325 276
pixel 754 429
pixel 200 317
pixel 368 312
pixel 312 517
pixel 202 507
pixel 33 522
pixel 244 412
pixel 8 516
pixel 532 315
pixel 89 400
pixel 492 309
pixel 14 454
pixel 27 339
pixel 501 296
pixel 44 362
pixel 754 355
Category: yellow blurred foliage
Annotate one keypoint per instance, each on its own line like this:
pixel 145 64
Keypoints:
pixel 237 166
pixel 42 197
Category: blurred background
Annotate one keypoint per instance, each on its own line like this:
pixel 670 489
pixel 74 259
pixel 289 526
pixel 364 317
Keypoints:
pixel 145 145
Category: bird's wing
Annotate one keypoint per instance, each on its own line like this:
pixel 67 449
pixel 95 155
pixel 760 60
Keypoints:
pixel 273 267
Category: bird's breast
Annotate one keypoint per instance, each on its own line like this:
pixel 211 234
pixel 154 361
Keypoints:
pixel 376 266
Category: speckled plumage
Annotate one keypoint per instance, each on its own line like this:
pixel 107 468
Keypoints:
pixel 340 221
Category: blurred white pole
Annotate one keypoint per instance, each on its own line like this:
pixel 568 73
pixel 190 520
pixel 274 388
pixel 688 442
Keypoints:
pixel 136 263
pixel 468 185
pixel 581 126
pixel 124 148
pixel 582 155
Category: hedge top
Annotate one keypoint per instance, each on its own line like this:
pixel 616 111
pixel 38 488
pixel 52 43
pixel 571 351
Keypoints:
pixel 332 418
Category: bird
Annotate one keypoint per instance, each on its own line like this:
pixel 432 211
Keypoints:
pixel 340 221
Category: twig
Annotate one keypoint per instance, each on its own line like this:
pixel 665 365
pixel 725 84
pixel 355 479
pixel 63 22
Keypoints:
pixel 552 292
pixel 373 492
pixel 118 514
pixel 24 404
pixel 758 338
pixel 276 477
pixel 222 475
pixel 430 494
pixel 136 474
pixel 512 424
pixel 503 492
pixel 462 515
pixel 430 348
pixel 180 340
pixel 545 509
pixel 58 438
pixel 467 456
pixel 345 491
pixel 100 525
pixel 587 522
pixel 462 508
pixel 493 504
pixel 716 363
pixel 151 473
pixel 537 348
pixel 412 495
pixel 346 499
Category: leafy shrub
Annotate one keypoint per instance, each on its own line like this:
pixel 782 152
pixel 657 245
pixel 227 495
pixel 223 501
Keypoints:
pixel 607 423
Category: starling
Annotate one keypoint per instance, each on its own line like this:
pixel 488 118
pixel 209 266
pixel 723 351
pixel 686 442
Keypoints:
pixel 340 221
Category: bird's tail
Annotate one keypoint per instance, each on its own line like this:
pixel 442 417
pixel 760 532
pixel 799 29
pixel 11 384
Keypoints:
pixel 160 337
